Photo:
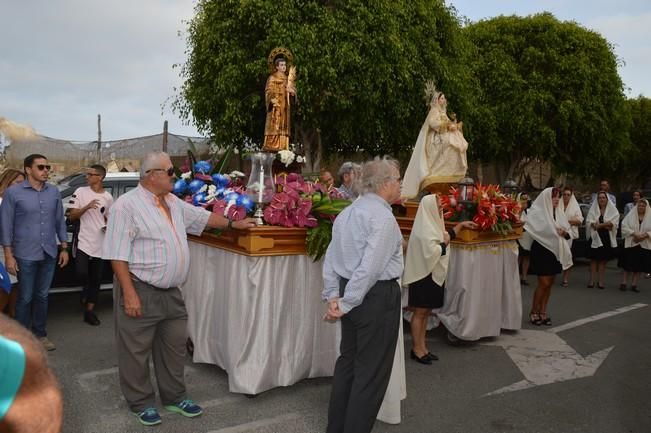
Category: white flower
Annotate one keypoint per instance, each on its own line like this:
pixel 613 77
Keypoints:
pixel 187 175
pixel 211 190
pixel 236 173
pixel 300 159
pixel 286 157
pixel 203 188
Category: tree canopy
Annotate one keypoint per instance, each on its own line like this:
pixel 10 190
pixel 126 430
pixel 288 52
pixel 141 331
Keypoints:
pixel 549 90
pixel 361 69
pixel 635 165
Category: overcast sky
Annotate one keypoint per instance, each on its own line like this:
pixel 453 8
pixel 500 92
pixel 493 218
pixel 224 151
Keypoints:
pixel 64 61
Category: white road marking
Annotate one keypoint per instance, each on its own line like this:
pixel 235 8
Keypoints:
pixel 544 357
pixel 241 428
pixel 596 317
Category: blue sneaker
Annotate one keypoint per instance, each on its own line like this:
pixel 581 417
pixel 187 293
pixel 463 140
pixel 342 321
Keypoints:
pixel 187 408
pixel 148 416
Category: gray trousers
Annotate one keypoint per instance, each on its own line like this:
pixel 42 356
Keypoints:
pixel 160 333
pixel 369 333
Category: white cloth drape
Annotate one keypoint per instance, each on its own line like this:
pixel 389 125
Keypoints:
pixel 631 225
pixel 572 211
pixel 611 214
pixel 482 292
pixel 258 318
pixel 541 226
pixel 424 249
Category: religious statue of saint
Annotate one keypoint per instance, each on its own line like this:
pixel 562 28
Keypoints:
pixel 278 93
pixel 440 152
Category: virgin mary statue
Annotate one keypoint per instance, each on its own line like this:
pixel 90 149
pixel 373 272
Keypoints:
pixel 440 152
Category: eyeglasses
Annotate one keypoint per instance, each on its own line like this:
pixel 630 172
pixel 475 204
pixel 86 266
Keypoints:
pixel 169 171
pixel 43 167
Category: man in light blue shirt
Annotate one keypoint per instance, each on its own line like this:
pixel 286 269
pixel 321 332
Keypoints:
pixel 360 272
pixel 31 221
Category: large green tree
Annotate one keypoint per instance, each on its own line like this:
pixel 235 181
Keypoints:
pixel 550 91
pixel 635 166
pixel 361 69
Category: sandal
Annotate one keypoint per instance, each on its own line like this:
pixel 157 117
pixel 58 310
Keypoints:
pixel 564 284
pixel 600 286
pixel 591 286
pixel 534 319
pixel 622 287
pixel 545 320
pixel 635 289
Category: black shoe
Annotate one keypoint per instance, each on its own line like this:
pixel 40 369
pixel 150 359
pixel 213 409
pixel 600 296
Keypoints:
pixel 423 359
pixel 432 357
pixel 591 286
pixel 600 286
pixel 622 287
pixel 91 318
pixel 635 289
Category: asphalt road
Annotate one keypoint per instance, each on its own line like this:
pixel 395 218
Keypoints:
pixel 450 396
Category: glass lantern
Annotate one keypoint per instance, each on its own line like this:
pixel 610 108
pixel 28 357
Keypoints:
pixel 466 188
pixel 261 187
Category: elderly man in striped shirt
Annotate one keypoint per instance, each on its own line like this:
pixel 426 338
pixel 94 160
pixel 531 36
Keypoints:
pixel 360 272
pixel 147 244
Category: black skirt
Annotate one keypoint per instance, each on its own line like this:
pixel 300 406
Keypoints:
pixel 635 259
pixel 425 293
pixel 605 252
pixel 543 262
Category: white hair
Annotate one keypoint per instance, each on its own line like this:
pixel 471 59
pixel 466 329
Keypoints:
pixel 150 161
pixel 376 172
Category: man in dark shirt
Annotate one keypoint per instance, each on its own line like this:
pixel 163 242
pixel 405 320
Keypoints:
pixel 31 220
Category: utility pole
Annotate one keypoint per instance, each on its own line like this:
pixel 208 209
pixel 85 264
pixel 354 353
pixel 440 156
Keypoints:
pixel 99 139
pixel 165 137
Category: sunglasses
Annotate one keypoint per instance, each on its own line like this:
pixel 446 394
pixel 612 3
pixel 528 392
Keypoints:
pixel 169 171
pixel 44 167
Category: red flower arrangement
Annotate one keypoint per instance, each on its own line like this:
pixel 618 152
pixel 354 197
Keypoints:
pixel 488 207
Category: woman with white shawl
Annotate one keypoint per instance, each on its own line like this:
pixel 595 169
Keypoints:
pixel 636 256
pixel 550 253
pixel 574 216
pixel 426 267
pixel 601 229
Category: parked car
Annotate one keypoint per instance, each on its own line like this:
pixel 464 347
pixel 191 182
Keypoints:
pixel 65 279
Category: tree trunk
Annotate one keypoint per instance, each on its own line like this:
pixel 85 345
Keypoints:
pixel 312 147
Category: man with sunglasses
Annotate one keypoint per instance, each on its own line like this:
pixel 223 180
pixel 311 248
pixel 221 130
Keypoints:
pixel 89 205
pixel 147 244
pixel 31 222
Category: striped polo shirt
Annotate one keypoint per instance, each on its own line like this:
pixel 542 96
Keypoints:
pixel 138 232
